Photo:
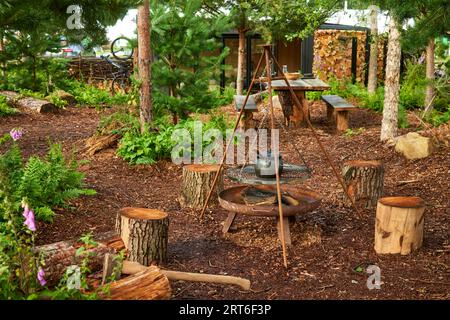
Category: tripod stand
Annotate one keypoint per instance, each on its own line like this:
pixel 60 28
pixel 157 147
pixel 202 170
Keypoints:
pixel 267 56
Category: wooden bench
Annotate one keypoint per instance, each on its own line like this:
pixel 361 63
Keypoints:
pixel 250 107
pixel 337 110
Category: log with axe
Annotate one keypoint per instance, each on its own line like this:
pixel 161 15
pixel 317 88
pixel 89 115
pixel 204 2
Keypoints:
pixel 111 267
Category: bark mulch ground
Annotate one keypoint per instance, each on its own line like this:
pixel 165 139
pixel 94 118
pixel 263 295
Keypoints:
pixel 328 243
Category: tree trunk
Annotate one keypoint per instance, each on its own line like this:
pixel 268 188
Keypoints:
pixel 399 225
pixel 373 59
pixel 144 58
pixel 28 104
pixel 429 93
pixel 60 255
pixel 241 61
pixel 364 181
pixel 392 84
pixel 149 284
pixel 144 233
pixel 197 182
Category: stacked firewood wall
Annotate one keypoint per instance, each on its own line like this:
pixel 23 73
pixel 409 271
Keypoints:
pixel 333 54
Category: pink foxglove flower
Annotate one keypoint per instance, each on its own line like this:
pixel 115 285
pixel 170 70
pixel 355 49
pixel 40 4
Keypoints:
pixel 26 211
pixel 16 134
pixel 40 277
pixel 29 221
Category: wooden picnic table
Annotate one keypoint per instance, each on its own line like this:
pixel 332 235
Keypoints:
pixel 292 114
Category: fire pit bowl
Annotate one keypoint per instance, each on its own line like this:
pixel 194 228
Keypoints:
pixel 301 200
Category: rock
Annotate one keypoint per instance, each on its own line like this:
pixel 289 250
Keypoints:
pixel 414 146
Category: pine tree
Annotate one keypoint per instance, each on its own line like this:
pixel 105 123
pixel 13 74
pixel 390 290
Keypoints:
pixel 185 42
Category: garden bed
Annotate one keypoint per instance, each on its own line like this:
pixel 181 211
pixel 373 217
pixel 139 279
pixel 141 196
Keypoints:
pixel 329 244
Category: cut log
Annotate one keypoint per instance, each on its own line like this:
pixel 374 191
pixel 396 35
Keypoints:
pixel 399 225
pixel 60 255
pixel 28 104
pixel 144 233
pixel 149 284
pixel 97 143
pixel 364 181
pixel 197 182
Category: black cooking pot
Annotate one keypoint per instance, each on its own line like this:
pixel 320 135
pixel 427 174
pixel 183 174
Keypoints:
pixel 265 165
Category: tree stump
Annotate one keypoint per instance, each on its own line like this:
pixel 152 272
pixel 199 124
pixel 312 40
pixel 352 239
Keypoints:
pixel 364 181
pixel 144 233
pixel 399 225
pixel 197 182
pixel 149 284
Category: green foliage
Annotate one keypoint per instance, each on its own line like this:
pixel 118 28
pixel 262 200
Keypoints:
pixel 290 19
pixel 151 146
pixel 185 39
pixel 118 122
pixel 44 183
pixel 5 109
pixel 91 96
pixel 351 133
pixel 223 98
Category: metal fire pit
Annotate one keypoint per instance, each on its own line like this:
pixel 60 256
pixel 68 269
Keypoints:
pixel 232 199
pixel 291 174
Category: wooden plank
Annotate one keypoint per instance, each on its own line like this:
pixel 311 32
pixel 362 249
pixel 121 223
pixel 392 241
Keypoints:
pixel 337 102
pixel 301 85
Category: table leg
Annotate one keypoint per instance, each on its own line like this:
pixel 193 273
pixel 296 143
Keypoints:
pixel 287 231
pixel 299 114
pixel 229 221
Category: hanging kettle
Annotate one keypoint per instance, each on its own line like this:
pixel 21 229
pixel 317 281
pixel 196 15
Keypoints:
pixel 265 165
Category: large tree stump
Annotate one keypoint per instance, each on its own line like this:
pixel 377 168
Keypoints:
pixel 399 225
pixel 144 233
pixel 364 181
pixel 197 182
pixel 149 284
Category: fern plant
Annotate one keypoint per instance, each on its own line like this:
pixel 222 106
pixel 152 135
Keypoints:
pixel 46 183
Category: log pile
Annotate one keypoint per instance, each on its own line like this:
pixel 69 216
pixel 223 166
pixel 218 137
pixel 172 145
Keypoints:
pixel 93 68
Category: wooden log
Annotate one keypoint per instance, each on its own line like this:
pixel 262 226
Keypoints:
pixel 197 182
pixel 98 143
pixel 148 284
pixel 399 225
pixel 28 104
pixel 364 181
pixel 60 255
pixel 144 233
pixel 133 267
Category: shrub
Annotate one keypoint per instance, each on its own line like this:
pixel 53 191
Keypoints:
pixel 151 146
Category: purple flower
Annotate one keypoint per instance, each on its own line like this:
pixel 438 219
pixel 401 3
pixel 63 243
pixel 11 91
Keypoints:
pixel 26 211
pixel 40 277
pixel 29 220
pixel 16 134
